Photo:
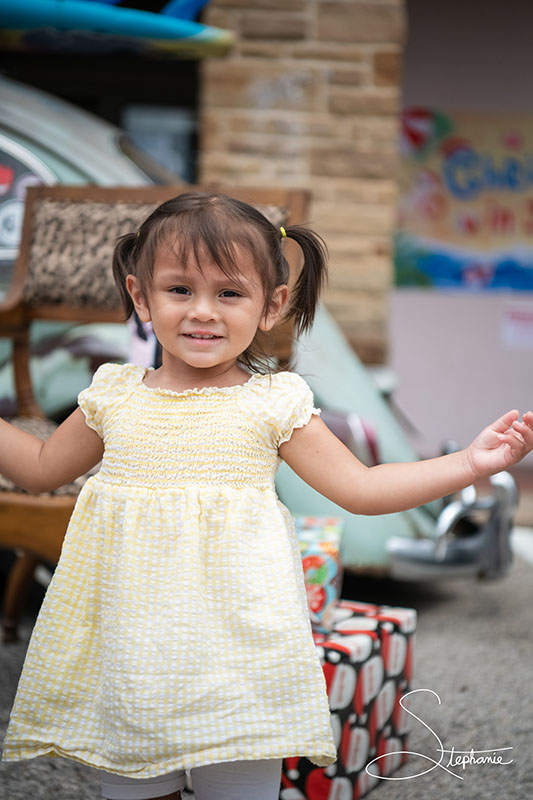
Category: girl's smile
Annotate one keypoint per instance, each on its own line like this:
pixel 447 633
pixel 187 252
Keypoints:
pixel 198 335
pixel 200 339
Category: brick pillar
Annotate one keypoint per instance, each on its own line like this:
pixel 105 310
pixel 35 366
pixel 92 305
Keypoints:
pixel 309 97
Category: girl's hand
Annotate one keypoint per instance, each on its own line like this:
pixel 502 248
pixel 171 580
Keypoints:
pixel 501 444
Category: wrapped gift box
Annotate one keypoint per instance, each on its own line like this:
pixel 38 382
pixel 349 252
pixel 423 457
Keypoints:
pixel 367 660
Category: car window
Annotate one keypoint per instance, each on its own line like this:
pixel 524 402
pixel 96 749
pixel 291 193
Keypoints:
pixel 153 170
pixel 19 168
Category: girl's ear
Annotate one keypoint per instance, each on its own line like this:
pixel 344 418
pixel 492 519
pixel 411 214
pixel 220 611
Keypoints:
pixel 138 298
pixel 276 308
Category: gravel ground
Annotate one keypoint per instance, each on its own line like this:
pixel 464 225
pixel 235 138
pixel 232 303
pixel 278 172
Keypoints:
pixel 473 648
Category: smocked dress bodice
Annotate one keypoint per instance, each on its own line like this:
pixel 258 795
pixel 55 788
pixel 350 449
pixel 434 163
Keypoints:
pixel 163 440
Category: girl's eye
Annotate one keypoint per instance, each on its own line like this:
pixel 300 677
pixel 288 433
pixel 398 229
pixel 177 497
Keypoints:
pixel 185 290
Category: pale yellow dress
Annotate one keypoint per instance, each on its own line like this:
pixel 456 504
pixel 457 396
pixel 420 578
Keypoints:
pixel 175 631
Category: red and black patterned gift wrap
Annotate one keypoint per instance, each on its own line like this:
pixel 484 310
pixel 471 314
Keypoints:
pixel 367 660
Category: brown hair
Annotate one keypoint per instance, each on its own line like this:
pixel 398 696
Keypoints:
pixel 213 223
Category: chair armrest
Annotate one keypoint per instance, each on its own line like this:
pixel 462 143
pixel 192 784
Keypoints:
pixel 13 318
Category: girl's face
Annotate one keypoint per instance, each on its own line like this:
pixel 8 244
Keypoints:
pixel 204 320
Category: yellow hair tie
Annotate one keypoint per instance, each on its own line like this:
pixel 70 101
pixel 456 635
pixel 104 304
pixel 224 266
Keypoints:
pixel 283 233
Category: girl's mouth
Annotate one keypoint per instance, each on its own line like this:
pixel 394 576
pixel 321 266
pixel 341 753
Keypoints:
pixel 202 340
pixel 202 336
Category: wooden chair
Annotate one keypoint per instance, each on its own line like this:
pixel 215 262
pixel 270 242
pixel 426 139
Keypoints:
pixel 63 273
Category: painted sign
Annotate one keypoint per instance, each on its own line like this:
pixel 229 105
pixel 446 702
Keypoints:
pixel 517 325
pixel 466 201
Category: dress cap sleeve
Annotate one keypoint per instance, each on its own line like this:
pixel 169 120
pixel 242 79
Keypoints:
pixel 108 388
pixel 294 405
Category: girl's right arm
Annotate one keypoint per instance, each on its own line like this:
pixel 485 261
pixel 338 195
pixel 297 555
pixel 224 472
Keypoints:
pixel 42 466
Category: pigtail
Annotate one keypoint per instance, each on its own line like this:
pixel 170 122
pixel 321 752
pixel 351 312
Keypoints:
pixel 312 277
pixel 122 266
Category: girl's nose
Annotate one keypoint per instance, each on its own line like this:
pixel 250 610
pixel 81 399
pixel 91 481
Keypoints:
pixel 203 309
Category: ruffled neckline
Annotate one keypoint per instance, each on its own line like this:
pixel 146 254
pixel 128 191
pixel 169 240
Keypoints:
pixel 204 390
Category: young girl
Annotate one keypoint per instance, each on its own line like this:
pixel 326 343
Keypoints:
pixel 175 633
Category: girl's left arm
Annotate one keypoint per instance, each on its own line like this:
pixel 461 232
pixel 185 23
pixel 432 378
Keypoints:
pixel 322 461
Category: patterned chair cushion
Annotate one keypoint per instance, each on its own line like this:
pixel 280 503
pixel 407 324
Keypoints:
pixel 72 245
pixel 71 248
pixel 43 429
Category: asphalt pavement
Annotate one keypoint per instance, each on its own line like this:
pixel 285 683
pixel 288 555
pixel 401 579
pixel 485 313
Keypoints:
pixel 473 651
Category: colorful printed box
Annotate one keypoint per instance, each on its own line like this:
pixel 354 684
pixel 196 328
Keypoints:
pixel 319 539
pixel 367 660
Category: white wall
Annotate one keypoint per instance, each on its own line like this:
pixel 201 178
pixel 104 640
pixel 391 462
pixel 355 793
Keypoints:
pixel 455 371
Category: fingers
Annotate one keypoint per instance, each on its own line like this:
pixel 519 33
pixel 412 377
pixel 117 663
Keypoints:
pixel 519 435
pixel 524 428
pixel 504 422
pixel 513 438
pixel 528 418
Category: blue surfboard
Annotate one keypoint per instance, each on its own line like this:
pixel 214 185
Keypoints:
pixel 82 26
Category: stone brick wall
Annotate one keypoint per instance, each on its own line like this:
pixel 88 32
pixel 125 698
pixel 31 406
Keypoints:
pixel 309 97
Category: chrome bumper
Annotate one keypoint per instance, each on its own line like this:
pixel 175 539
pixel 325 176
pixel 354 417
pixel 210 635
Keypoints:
pixel 485 552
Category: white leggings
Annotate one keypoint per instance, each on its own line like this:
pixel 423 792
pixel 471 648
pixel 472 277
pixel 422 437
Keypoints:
pixel 231 780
